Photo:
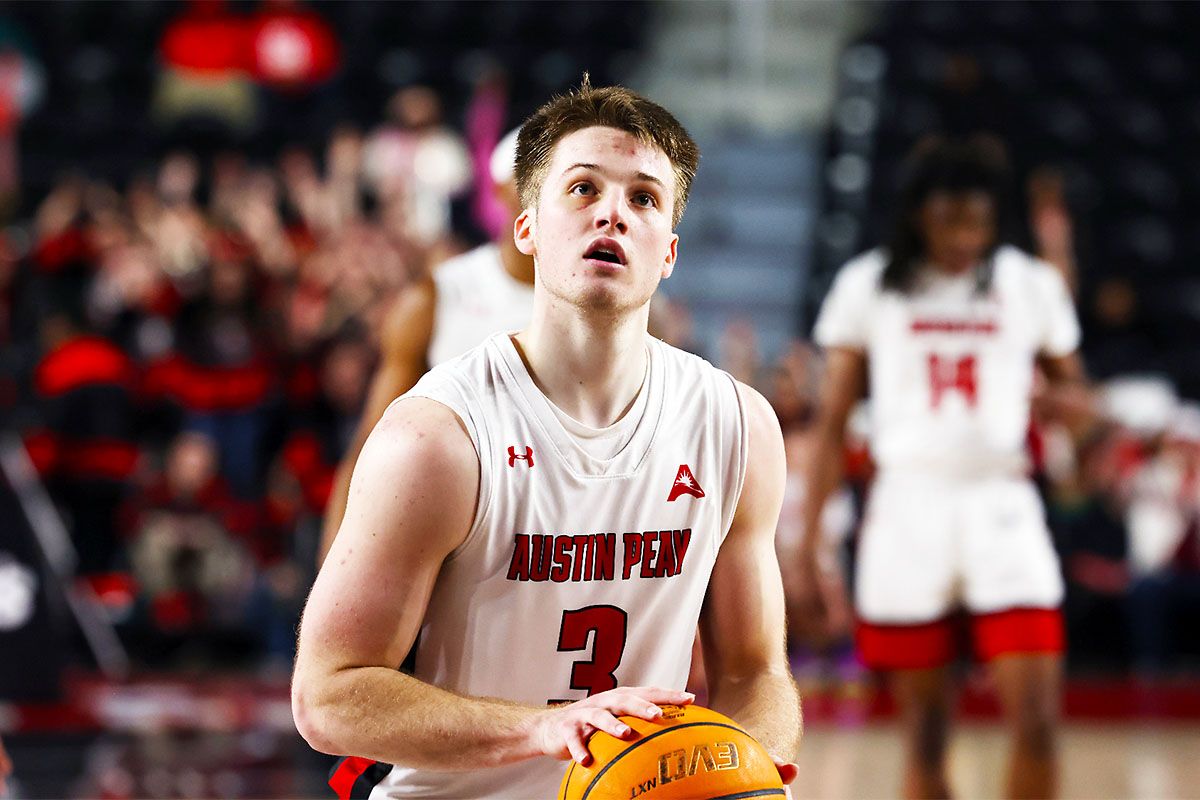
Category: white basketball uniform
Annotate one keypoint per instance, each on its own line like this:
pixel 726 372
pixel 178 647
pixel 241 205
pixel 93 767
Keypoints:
pixel 581 572
pixel 952 519
pixel 476 297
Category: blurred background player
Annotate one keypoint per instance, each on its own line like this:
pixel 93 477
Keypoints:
pixel 942 328
pixel 468 298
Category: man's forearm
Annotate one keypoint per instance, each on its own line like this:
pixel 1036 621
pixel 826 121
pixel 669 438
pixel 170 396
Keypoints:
pixel 768 706
pixel 382 714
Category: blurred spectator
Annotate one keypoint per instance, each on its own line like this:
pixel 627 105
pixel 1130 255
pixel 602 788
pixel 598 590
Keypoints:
pixel 485 126
pixel 220 375
pixel 1120 337
pixel 204 75
pixel 22 87
pixel 1087 512
pixel 185 560
pixel 323 431
pixel 1164 549
pixel 415 156
pixel 86 445
pixel 206 564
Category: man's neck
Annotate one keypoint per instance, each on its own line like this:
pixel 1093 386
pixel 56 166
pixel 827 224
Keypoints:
pixel 516 264
pixel 590 368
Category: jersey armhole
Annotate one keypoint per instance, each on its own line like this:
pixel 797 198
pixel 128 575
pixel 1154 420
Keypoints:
pixel 484 500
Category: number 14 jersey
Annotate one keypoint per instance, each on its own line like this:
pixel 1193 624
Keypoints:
pixel 579 574
pixel 951 365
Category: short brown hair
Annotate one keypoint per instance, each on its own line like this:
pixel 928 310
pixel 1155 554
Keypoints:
pixel 609 107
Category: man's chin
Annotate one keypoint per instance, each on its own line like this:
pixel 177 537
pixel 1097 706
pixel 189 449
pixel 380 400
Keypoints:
pixel 605 300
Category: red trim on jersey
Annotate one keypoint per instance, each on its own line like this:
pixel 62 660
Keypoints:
pixel 923 646
pixel 1018 630
pixel 347 772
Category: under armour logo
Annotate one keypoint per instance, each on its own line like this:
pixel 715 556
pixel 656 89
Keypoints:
pixel 685 483
pixel 512 455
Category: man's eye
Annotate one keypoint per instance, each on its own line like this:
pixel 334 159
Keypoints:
pixel 645 199
pixel 583 189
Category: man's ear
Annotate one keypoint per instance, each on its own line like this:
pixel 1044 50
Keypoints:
pixel 523 232
pixel 672 254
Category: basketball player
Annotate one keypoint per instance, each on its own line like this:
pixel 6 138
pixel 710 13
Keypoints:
pixel 555 510
pixel 470 297
pixel 949 324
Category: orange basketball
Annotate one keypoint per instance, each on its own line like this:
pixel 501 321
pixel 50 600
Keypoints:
pixel 692 752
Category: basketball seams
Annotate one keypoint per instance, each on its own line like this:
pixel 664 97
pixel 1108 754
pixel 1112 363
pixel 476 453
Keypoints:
pixel 654 735
pixel 567 783
pixel 752 793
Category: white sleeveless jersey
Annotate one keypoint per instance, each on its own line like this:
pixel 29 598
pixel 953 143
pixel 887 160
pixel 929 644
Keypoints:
pixel 951 368
pixel 476 297
pixel 578 575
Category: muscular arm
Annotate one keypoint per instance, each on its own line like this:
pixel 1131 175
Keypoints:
pixel 742 623
pixel 411 502
pixel 370 596
pixel 844 385
pixel 404 344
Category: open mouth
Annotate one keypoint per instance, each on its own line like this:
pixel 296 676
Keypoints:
pixel 607 251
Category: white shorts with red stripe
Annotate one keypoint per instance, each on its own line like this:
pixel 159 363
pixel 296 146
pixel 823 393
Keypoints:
pixel 932 546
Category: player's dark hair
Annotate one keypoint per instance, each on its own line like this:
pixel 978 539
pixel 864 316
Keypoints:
pixel 978 164
pixel 610 107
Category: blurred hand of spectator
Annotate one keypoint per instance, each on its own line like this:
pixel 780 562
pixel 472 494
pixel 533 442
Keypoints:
pixel 60 210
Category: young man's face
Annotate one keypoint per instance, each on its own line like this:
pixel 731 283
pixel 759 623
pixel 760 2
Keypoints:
pixel 601 231
pixel 958 228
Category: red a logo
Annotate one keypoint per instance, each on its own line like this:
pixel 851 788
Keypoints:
pixel 512 456
pixel 685 484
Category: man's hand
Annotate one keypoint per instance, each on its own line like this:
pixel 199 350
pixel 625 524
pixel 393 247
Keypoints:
pixel 562 732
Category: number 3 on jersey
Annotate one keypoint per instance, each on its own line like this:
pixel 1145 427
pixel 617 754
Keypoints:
pixel 948 374
pixel 606 627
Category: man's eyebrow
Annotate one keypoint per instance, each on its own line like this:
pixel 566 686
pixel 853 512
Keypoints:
pixel 584 166
pixel 642 176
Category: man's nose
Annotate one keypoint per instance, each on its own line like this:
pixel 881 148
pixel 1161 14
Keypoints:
pixel 610 213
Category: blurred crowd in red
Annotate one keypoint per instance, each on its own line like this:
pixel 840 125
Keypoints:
pixel 186 354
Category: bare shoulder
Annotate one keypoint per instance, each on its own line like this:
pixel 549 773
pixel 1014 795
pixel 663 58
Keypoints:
pixel 417 437
pixel 761 420
pixel 766 465
pixel 418 471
